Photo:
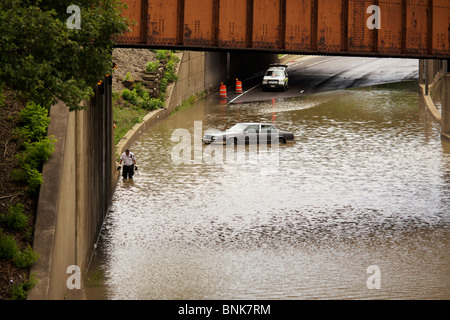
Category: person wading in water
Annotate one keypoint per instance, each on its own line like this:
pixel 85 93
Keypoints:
pixel 129 162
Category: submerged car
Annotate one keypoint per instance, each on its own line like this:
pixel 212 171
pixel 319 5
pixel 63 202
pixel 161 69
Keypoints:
pixel 276 77
pixel 249 133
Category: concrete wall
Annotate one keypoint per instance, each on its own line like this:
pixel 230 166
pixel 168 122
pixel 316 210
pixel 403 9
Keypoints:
pixel 445 100
pixel 75 194
pixel 434 80
pixel 432 69
pixel 191 77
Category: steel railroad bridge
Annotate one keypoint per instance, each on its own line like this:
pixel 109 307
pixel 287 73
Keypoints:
pixel 384 28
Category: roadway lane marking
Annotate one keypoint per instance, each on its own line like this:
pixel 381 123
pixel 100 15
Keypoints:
pixel 231 101
pixel 322 62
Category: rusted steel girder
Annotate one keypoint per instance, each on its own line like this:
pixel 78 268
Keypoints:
pixel 393 28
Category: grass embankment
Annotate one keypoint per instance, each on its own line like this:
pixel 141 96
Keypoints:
pixel 131 105
pixel 23 133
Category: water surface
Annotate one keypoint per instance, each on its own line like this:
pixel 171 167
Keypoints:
pixel 367 182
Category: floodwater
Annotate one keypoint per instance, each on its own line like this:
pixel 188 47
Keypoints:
pixel 366 183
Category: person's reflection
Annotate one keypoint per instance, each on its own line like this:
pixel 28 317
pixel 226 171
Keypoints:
pixel 127 183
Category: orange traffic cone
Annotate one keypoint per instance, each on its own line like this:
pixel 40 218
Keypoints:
pixel 223 91
pixel 238 86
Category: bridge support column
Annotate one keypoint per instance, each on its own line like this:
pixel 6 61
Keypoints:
pixel 445 111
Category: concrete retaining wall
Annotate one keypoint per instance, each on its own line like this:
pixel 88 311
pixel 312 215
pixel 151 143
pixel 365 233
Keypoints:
pixel 438 82
pixel 445 112
pixel 75 194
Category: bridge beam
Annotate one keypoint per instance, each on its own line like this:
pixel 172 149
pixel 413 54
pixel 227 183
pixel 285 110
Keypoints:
pixel 394 28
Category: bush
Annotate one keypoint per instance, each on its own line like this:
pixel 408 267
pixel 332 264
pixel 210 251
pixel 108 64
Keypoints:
pixel 162 54
pixel 140 91
pixel 152 66
pixel 37 147
pixel 34 180
pixel 170 73
pixel 26 258
pixel 128 76
pixel 140 98
pixel 36 153
pixel 30 161
pixel 171 66
pixel 33 121
pixel 170 76
pixel 20 291
pixel 130 96
pixel 30 176
pixel 8 247
pixel 163 84
pixel 152 104
pixel 15 219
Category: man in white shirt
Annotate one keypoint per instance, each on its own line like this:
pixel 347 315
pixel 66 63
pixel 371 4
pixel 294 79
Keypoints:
pixel 129 161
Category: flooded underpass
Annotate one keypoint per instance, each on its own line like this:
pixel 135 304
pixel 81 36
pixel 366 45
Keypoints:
pixel 365 185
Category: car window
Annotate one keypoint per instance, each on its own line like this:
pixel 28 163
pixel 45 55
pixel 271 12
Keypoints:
pixel 278 73
pixel 267 128
pixel 240 127
pixel 274 73
pixel 253 128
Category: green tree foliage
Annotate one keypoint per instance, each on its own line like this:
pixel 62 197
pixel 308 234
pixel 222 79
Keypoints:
pixel 36 147
pixel 33 123
pixel 45 60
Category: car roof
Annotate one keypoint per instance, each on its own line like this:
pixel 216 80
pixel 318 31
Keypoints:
pixel 258 123
pixel 276 68
pixel 278 65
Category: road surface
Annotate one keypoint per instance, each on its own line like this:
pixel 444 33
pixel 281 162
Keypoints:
pixel 313 74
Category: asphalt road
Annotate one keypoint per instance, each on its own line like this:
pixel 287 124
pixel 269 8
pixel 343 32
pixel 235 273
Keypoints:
pixel 313 74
